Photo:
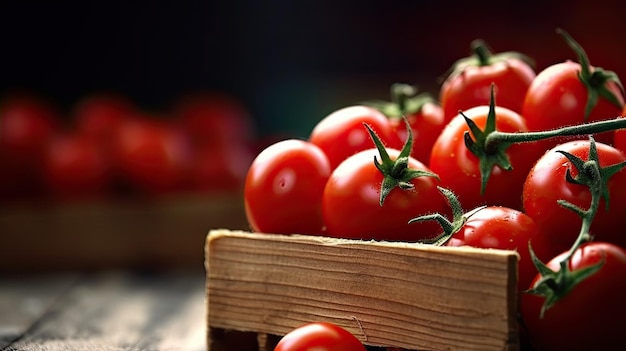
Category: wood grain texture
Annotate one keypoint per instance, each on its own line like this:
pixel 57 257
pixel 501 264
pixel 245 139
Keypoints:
pixel 387 294
pixel 117 311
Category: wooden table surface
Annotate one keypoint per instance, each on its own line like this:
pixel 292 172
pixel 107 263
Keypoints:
pixel 108 310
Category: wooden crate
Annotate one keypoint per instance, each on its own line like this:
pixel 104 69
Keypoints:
pixel 413 296
pixel 162 233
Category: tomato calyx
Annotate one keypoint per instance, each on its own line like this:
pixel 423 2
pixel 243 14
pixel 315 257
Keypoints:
pixel 396 173
pixel 595 79
pixel 483 56
pixel 554 285
pixel 405 101
pixel 459 218
pixel 489 154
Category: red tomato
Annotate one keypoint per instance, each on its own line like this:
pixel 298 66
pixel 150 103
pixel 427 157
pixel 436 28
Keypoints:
pixel 151 156
pixel 458 168
pixel 283 188
pixel 341 133
pixel 560 93
pixel 216 168
pixel 26 125
pixel 214 118
pixel 591 315
pixel 546 184
pixel 497 227
pixel 98 115
pixel 76 167
pixel 319 336
pixel 469 83
pixel 351 202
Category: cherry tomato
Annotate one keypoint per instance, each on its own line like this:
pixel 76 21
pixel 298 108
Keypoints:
pixel 469 83
pixel 546 183
pixel 283 188
pixel 559 95
pixel 351 202
pixel 214 118
pixel 498 227
pixel 219 168
pixel 341 133
pixel 27 123
pixel 591 315
pixel 151 156
pixel 319 336
pixel 458 168
pixel 76 167
pixel 98 115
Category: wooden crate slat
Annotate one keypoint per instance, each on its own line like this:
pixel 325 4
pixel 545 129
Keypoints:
pixel 387 294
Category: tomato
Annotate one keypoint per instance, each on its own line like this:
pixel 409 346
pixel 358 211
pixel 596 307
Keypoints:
pixel 219 168
pixel 423 114
pixel 591 315
pixel 458 168
pixel 151 156
pixel 98 115
pixel 319 336
pixel 283 188
pixel 214 118
pixel 351 202
pixel 76 167
pixel 498 227
pixel 559 95
pixel 341 133
pixel 469 83
pixel 26 124
pixel 546 183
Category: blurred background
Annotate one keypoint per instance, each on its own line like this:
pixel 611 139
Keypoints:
pixel 275 68
pixel 291 62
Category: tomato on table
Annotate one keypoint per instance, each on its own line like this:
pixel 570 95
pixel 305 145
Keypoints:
pixel 283 188
pixel 27 122
pixel 546 184
pixel 341 133
pixel 588 317
pixel 469 81
pixel 319 336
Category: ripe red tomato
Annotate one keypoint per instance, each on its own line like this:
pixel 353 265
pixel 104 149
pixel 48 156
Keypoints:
pixel 319 336
pixel 341 133
pixel 498 227
pixel 458 168
pixel 97 116
pixel 351 202
pixel 283 188
pixel 469 83
pixel 151 156
pixel 219 168
pixel 26 124
pixel 214 118
pixel 76 167
pixel 546 183
pixel 591 315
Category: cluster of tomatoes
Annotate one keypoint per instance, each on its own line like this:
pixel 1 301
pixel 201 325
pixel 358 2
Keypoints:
pixel 487 164
pixel 107 145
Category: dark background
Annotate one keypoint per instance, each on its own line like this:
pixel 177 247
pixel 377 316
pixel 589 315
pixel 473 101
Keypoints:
pixel 290 62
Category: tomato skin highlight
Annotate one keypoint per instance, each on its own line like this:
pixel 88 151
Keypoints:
pixel 284 186
pixel 472 87
pixel 546 184
pixel 319 336
pixel 341 133
pixel 557 98
pixel 458 168
pixel 351 207
pixel 591 316
pixel 497 227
